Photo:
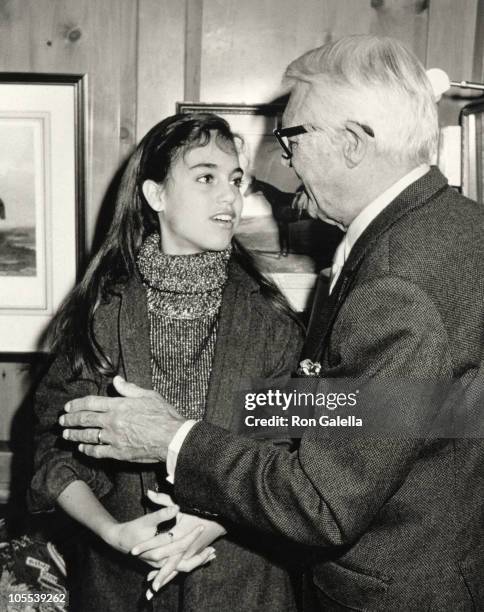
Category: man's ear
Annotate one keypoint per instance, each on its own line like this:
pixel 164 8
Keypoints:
pixel 355 144
pixel 153 193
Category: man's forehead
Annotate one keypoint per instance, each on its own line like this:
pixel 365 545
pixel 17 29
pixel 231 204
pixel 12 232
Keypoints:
pixel 304 106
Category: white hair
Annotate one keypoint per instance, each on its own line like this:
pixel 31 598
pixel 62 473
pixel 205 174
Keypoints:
pixel 375 81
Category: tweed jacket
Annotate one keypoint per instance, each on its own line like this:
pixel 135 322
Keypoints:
pixel 253 341
pixel 390 523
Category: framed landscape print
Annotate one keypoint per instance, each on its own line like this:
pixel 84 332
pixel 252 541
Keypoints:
pixel 41 200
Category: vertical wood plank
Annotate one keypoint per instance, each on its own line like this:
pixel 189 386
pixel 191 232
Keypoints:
pixel 406 20
pixel 450 46
pixel 452 32
pixel 193 49
pixel 128 76
pixel 161 56
pixel 478 64
pixel 15 29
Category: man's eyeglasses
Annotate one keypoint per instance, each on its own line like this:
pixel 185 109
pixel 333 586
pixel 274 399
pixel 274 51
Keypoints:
pixel 283 135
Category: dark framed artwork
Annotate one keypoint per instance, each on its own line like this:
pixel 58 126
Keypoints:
pixel 288 246
pixel 42 187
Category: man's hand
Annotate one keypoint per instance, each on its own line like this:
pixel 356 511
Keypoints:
pixel 136 427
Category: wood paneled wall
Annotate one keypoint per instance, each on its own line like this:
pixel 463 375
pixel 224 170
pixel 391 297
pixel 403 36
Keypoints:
pixel 141 56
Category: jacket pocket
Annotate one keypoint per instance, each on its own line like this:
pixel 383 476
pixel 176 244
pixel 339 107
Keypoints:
pixel 348 588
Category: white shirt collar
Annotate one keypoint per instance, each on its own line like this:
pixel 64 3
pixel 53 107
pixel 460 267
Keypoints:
pixel 370 212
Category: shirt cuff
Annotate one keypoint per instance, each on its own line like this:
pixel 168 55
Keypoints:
pixel 174 448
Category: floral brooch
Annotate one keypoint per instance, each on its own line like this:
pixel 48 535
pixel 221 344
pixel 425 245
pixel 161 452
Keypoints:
pixel 309 368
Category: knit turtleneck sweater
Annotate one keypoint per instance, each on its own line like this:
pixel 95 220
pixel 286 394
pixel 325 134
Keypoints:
pixel 184 294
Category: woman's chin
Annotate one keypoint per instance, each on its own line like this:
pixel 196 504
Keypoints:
pixel 218 245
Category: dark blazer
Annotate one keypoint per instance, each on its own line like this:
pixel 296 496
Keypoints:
pixel 253 341
pixel 398 522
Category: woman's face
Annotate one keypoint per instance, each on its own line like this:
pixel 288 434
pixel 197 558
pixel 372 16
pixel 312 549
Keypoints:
pixel 199 204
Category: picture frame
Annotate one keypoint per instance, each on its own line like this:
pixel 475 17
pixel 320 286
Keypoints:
pixel 472 153
pixel 42 196
pixel 271 227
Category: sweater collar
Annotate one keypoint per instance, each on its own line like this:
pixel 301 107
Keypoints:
pixel 186 274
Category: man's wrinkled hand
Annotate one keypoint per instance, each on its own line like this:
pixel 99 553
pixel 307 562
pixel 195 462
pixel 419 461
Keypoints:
pixel 137 427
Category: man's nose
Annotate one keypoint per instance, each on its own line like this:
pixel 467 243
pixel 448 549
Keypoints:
pixel 286 161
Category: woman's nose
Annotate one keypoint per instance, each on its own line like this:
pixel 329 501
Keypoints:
pixel 227 193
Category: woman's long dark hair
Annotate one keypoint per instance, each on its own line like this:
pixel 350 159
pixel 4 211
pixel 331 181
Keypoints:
pixel 115 261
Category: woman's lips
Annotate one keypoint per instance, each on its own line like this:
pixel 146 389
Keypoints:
pixel 224 220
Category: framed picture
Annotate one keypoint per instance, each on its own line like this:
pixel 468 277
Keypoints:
pixel 288 246
pixel 41 200
pixel 472 158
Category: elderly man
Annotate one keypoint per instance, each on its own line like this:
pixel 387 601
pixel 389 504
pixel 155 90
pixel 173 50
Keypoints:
pixel 389 523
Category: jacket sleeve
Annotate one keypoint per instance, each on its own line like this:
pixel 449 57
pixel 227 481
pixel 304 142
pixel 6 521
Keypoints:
pixel 56 462
pixel 328 491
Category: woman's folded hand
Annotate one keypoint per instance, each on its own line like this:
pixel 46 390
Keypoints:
pixel 182 549
pixel 123 536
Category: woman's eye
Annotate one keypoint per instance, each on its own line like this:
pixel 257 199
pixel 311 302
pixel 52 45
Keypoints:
pixel 238 182
pixel 205 179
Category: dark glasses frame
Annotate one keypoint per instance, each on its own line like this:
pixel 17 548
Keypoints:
pixel 281 133
pixel 297 130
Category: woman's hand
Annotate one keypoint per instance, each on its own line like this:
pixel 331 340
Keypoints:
pixel 176 553
pixel 78 500
pixel 171 566
pixel 124 536
pixel 174 542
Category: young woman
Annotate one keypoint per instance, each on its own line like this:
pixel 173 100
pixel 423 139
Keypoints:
pixel 170 302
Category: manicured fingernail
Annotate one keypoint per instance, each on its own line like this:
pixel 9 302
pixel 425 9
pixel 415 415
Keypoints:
pixel 149 595
pixel 211 558
pixel 67 407
pixel 61 420
pixel 81 448
pixel 134 551
pixel 65 434
pixel 210 551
